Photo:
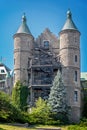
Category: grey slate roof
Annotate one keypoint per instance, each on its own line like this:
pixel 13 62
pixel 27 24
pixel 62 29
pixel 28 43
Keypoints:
pixel 69 24
pixel 2 64
pixel 23 27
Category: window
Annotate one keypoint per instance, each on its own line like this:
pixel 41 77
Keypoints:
pixel 75 39
pixel 46 44
pixel 2 76
pixel 28 62
pixel 14 61
pixel 2 84
pixel 14 76
pixel 75 96
pixel 2 71
pixel 28 78
pixel 75 75
pixel 75 58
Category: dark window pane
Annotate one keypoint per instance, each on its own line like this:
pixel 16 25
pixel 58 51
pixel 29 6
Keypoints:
pixel 75 58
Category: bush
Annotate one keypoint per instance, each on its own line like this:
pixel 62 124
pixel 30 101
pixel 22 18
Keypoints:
pixel 54 122
pixel 85 103
pixel 8 112
pixel 83 122
pixel 40 113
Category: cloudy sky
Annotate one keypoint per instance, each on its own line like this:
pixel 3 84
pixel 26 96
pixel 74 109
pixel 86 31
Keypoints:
pixel 40 14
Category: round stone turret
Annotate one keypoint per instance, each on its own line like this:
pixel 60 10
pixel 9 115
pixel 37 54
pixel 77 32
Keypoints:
pixel 70 60
pixel 23 44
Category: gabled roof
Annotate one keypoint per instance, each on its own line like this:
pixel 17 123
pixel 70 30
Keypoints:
pixel 23 27
pixel 2 64
pixel 69 24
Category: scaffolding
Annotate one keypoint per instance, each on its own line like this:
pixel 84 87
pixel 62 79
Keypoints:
pixel 42 69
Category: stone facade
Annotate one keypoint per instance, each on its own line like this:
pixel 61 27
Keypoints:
pixel 36 62
pixel 22 52
pixel 70 60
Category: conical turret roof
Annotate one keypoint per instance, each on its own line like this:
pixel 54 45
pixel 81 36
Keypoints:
pixel 23 27
pixel 69 24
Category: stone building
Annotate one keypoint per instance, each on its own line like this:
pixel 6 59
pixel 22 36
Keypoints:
pixel 36 62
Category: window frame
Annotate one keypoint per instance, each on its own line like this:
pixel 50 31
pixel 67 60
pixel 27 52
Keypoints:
pixel 76 75
pixel 76 96
pixel 76 59
pixel 2 71
pixel 46 44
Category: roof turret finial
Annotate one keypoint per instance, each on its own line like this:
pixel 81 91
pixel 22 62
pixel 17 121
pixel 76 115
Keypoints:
pixel 69 14
pixel 69 24
pixel 24 18
pixel 23 27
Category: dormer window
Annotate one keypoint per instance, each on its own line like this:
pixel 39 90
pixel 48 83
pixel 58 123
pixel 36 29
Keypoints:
pixel 46 44
pixel 2 71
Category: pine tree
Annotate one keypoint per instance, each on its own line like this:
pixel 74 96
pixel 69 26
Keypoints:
pixel 57 97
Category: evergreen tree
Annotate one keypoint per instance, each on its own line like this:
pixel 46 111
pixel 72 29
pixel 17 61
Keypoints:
pixel 57 97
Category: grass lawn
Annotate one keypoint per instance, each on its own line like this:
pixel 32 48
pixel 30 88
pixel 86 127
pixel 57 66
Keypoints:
pixel 10 127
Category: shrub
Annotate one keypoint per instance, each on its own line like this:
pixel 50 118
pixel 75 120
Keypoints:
pixel 40 113
pixel 85 102
pixel 8 112
pixel 83 122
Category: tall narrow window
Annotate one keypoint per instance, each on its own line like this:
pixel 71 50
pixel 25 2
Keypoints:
pixel 75 96
pixel 75 75
pixel 14 76
pixel 28 62
pixel 75 58
pixel 14 61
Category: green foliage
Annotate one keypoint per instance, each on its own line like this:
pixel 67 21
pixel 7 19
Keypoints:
pixel 40 113
pixel 83 122
pixel 57 99
pixel 81 126
pixel 19 96
pixel 4 106
pixel 76 127
pixel 85 103
pixel 8 112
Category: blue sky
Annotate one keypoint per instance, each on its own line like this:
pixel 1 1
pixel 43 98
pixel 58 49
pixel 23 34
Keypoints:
pixel 40 15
